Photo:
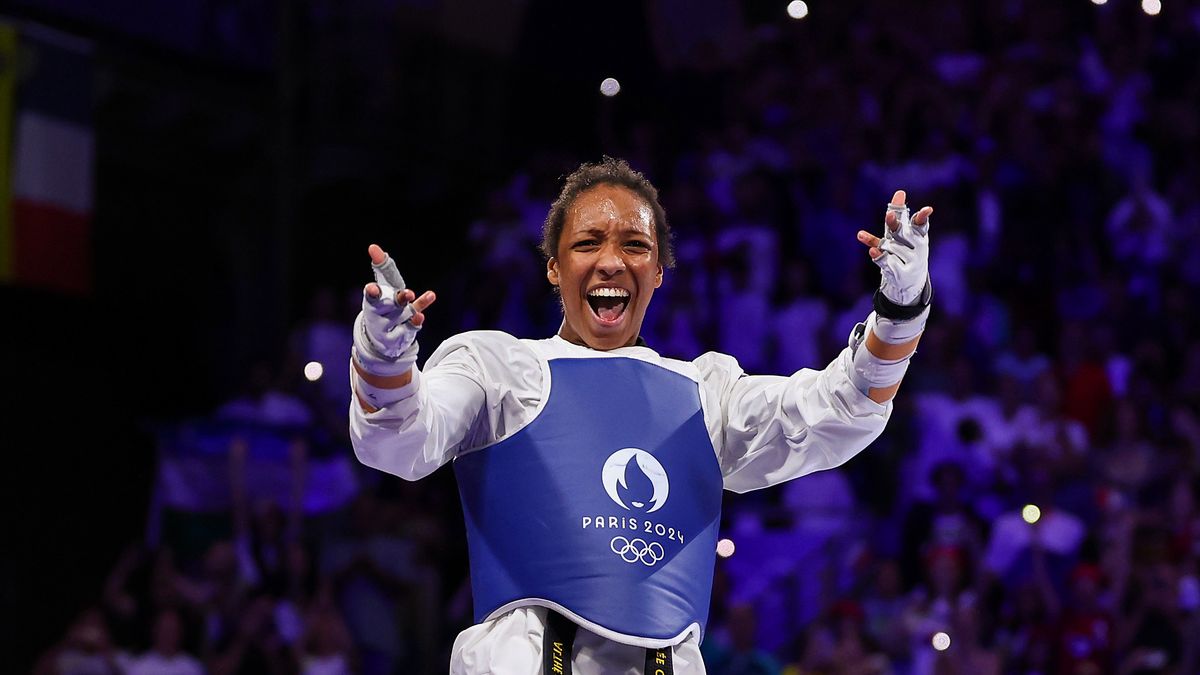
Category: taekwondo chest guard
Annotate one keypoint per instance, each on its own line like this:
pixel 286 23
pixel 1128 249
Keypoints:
pixel 605 507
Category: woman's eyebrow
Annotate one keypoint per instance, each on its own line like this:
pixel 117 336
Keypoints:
pixel 602 231
pixel 593 232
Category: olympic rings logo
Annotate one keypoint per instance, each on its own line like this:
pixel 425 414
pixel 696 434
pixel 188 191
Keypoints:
pixel 635 550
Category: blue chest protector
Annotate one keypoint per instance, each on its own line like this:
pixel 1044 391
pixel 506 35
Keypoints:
pixel 605 507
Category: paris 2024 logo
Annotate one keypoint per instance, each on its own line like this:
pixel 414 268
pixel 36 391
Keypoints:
pixel 637 482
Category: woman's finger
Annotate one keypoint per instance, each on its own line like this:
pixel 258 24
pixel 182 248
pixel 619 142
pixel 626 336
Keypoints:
pixel 424 301
pixel 378 255
pixel 868 238
pixel 892 218
pixel 891 221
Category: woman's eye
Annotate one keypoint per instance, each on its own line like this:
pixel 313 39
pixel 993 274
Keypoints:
pixel 638 244
pixel 585 242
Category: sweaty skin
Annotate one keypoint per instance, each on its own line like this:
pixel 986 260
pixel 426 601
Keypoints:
pixel 608 241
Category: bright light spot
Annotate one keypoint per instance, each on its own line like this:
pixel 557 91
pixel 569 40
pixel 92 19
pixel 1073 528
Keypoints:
pixel 941 641
pixel 313 371
pixel 797 9
pixel 1099 2
pixel 725 548
pixel 1152 7
pixel 610 86
pixel 1031 513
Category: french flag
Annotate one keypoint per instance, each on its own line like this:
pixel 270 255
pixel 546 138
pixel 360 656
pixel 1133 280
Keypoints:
pixel 46 159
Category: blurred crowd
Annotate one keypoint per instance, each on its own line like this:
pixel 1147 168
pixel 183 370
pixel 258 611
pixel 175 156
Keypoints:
pixel 1034 503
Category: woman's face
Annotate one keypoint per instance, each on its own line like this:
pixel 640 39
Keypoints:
pixel 606 268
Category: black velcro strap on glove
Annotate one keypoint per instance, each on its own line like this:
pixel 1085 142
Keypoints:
pixel 890 310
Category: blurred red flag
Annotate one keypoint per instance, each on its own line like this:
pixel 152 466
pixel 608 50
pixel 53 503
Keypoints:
pixel 46 159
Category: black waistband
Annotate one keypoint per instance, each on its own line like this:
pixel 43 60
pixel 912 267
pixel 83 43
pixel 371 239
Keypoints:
pixel 658 662
pixel 559 639
pixel 557 643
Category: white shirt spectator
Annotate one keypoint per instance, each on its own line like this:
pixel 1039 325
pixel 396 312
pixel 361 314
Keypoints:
pixel 1060 533
pixel 942 417
pixel 325 665
pixel 797 332
pixel 821 503
pixel 153 663
pixel 273 407
pixel 1139 228
pixel 949 268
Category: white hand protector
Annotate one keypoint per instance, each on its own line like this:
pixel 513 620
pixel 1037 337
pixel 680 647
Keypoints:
pixel 385 340
pixel 905 260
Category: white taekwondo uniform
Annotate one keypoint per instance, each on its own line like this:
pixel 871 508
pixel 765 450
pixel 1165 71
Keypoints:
pixel 481 387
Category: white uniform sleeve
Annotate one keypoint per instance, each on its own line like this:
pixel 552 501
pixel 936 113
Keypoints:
pixel 476 388
pixel 774 428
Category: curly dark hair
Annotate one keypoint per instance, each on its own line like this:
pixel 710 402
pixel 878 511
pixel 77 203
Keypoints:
pixel 608 171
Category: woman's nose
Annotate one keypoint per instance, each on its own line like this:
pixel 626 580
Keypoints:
pixel 611 261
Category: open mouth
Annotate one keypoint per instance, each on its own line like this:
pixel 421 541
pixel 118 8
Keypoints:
pixel 608 304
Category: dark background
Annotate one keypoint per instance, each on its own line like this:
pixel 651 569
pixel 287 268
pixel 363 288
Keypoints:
pixel 247 153
pixel 238 168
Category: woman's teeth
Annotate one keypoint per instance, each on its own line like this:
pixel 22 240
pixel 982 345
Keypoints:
pixel 608 303
pixel 609 293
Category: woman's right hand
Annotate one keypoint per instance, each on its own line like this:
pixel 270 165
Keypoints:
pixel 385 332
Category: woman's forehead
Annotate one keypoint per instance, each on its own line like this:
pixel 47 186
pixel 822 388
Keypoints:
pixel 608 206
